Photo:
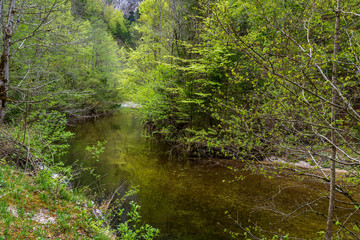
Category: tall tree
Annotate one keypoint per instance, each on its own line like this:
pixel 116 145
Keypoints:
pixel 268 78
pixel 333 123
pixel 54 60
pixel 309 108
pixel 8 28
pixel 15 15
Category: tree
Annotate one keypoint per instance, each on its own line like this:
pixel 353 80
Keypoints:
pixel 263 79
pixel 117 24
pixel 8 28
pixel 56 62
pixel 16 16
pixel 309 108
pixel 333 123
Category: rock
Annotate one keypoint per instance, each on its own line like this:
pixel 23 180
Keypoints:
pixel 126 6
pixel 98 214
pixel 342 171
pixel 41 166
pixel 279 160
pixel 62 179
pixel 303 164
pixel 275 159
pixel 13 211
pixel 43 217
pixel 130 105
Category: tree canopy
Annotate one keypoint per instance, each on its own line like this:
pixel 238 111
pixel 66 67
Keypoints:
pixel 254 80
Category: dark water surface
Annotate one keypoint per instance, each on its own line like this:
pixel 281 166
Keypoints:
pixel 183 199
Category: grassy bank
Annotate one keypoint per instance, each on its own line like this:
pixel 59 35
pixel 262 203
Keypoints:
pixel 41 206
pixel 37 200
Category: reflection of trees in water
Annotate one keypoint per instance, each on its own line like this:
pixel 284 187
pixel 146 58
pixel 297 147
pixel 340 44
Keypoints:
pixel 174 196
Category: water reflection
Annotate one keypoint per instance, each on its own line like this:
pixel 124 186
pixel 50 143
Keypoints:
pixel 184 200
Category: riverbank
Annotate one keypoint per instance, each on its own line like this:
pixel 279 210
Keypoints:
pixel 39 206
pixel 37 198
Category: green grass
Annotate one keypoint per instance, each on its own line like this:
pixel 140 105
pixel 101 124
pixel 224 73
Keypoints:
pixel 40 207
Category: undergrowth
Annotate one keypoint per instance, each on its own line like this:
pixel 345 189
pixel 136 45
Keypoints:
pixel 36 197
pixel 42 207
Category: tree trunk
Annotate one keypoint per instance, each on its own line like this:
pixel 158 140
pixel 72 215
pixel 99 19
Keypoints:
pixel 333 123
pixel 5 60
pixel 160 22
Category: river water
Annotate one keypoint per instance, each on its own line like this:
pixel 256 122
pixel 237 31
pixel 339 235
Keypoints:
pixel 183 199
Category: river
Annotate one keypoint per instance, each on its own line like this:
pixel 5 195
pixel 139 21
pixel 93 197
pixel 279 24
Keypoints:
pixel 183 199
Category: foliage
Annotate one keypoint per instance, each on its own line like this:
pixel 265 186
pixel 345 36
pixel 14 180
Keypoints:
pixel 64 65
pixel 45 133
pixel 96 150
pixel 49 194
pixel 250 80
pixel 133 228
pixel 240 79
pixel 43 207
pixel 119 27
pixel 71 65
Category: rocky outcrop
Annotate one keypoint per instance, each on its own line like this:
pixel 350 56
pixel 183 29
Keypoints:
pixel 128 7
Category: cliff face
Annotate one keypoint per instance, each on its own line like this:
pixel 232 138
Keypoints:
pixel 128 7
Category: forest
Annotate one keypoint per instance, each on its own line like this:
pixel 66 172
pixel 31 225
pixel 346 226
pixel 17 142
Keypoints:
pixel 271 84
